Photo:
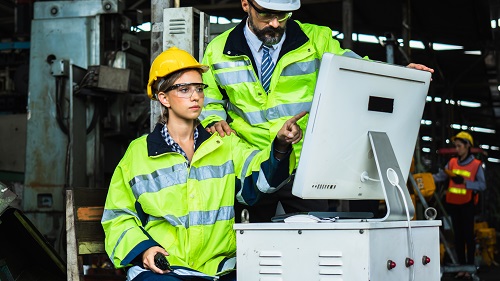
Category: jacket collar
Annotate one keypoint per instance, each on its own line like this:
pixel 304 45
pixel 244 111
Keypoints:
pixel 236 43
pixel 157 145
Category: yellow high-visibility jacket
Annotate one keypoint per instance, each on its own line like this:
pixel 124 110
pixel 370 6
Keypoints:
pixel 235 89
pixel 156 199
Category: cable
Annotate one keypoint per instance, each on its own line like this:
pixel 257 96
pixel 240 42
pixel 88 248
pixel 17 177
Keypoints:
pixel 364 177
pixel 394 180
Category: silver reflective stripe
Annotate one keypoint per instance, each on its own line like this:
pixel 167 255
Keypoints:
pixel 351 54
pixel 173 220
pixel 187 272
pixel 289 109
pixel 117 243
pixel 252 118
pixel 263 185
pixel 211 217
pixel 198 217
pixel 282 110
pixel 229 264
pixel 231 64
pixel 234 77
pixel 205 113
pixel 159 179
pixel 134 271
pixel 301 68
pixel 243 173
pixel 211 100
pixel 240 198
pixel 212 172
pixel 113 214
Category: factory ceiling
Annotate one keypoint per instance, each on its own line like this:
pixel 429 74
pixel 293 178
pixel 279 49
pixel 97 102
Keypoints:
pixel 468 73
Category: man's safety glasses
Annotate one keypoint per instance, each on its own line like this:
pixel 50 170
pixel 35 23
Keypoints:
pixel 186 90
pixel 268 17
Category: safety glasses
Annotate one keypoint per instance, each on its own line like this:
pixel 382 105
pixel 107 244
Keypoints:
pixel 266 16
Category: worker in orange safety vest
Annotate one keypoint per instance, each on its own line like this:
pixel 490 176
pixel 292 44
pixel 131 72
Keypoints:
pixel 466 178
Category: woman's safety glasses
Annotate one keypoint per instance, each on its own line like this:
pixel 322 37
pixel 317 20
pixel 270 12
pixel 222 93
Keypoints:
pixel 186 90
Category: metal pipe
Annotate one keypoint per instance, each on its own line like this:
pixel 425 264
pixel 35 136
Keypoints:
pixel 347 23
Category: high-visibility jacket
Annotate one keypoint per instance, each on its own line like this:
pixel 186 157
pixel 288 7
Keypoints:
pixel 156 199
pixel 234 85
pixel 457 193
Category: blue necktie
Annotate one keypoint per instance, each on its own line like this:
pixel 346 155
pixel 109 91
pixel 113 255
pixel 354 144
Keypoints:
pixel 266 68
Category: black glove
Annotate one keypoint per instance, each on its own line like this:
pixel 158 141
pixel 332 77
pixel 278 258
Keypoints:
pixel 457 179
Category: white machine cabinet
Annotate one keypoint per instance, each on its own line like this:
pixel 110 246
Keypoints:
pixel 342 250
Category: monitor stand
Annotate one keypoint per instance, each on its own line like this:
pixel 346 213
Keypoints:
pixel 389 173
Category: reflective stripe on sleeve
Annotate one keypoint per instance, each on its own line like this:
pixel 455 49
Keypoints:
pixel 262 116
pixel 231 64
pixel 301 68
pixel 234 77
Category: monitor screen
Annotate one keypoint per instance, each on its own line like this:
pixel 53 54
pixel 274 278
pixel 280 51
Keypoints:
pixel 354 97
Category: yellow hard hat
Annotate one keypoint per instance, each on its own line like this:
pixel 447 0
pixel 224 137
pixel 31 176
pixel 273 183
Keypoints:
pixel 170 61
pixel 465 136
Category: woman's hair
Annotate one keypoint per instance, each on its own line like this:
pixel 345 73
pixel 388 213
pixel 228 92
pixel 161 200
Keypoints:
pixel 163 84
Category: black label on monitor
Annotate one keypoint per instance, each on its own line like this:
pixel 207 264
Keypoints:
pixel 381 104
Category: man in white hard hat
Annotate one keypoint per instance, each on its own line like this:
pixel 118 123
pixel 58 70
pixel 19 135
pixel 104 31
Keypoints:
pixel 263 71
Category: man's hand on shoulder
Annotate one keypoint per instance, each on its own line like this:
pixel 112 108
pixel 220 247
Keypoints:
pixel 221 127
pixel 420 67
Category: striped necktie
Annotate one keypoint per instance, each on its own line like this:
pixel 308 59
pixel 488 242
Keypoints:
pixel 266 68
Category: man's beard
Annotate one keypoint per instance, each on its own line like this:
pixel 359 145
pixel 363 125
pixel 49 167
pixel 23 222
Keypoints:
pixel 268 35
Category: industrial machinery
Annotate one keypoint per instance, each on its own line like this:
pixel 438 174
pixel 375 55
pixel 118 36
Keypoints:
pixel 86 102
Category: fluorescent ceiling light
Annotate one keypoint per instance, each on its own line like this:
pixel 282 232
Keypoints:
pixel 476 53
pixel 494 160
pixel 482 130
pixel 469 103
pixel 442 47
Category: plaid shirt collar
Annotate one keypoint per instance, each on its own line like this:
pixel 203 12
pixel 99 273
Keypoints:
pixel 175 146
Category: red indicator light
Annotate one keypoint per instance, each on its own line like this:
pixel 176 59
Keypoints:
pixel 409 262
pixel 426 260
pixel 390 264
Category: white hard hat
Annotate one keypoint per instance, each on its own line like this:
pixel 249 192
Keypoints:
pixel 279 5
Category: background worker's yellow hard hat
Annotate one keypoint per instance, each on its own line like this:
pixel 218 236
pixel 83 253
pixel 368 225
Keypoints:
pixel 465 136
pixel 170 61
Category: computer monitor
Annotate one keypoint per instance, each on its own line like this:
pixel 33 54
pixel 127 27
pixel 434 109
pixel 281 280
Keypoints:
pixel 362 130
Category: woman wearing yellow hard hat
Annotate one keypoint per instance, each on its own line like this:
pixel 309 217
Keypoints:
pixel 465 175
pixel 169 210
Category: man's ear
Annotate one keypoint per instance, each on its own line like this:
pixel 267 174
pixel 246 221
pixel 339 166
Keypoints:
pixel 244 5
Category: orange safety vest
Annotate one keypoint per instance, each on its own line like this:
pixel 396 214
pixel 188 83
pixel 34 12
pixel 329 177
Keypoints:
pixel 457 193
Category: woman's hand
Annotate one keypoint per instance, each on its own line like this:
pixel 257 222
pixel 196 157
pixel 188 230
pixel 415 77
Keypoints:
pixel 148 259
